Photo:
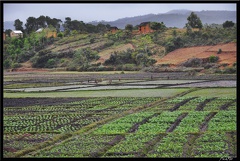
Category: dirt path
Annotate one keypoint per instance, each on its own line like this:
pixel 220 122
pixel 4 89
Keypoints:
pixel 177 122
pixel 202 104
pixel 181 104
pixel 203 127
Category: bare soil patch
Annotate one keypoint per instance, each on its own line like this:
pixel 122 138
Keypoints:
pixel 176 57
pixel 21 102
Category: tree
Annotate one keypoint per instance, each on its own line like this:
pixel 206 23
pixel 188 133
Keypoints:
pixel 67 23
pixel 157 25
pixel 228 24
pixel 31 25
pixel 41 22
pixel 18 25
pixel 8 32
pixel 194 21
pixel 129 27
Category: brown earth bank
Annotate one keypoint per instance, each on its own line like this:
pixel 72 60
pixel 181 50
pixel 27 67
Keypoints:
pixel 22 102
pixel 176 57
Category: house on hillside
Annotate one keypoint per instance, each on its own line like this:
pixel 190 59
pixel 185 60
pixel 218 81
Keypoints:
pixel 48 32
pixel 113 29
pixel 16 33
pixel 4 36
pixel 144 28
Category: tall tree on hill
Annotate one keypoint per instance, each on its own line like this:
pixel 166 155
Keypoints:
pixel 31 25
pixel 41 22
pixel 194 21
pixel 129 27
pixel 157 26
pixel 18 25
pixel 228 24
pixel 67 24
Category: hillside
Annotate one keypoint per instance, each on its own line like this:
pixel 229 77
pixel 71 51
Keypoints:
pixel 123 50
pixel 228 54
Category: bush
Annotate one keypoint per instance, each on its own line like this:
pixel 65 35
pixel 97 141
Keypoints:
pixel 230 70
pixel 71 68
pixel 16 65
pixel 193 62
pixel 60 35
pixel 213 59
pixel 219 51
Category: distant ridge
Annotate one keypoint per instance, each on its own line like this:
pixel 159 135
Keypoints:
pixel 173 18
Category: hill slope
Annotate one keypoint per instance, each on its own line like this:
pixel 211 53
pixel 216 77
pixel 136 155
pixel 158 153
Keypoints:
pixel 176 57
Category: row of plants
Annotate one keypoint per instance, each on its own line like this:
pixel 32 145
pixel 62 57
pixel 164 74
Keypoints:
pixel 159 123
pixel 79 146
pixel 217 103
pixel 192 104
pixel 223 121
pixel 211 144
pixel 132 144
pixel 192 121
pixel 170 146
pixel 122 125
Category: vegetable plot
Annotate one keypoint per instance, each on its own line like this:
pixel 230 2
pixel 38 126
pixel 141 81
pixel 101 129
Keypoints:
pixel 123 127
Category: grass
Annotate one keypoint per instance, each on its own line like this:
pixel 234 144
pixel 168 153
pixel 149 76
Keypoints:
pixel 214 92
pixel 101 93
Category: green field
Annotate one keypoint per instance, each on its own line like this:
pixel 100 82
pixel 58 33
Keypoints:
pixel 169 123
pixel 106 121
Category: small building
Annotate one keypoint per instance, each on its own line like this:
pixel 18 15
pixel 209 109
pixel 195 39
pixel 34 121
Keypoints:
pixel 4 36
pixel 113 29
pixel 144 27
pixel 16 33
pixel 49 33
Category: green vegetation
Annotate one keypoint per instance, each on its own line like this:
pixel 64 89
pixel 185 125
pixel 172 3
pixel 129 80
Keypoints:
pixel 212 92
pixel 118 127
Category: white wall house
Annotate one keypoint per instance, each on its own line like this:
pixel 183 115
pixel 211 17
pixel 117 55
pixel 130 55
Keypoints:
pixel 16 33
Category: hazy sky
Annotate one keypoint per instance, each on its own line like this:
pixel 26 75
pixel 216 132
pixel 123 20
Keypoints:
pixel 100 11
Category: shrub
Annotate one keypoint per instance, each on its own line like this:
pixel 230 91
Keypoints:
pixel 16 65
pixel 193 62
pixel 219 51
pixel 213 59
pixel 230 70
pixel 60 35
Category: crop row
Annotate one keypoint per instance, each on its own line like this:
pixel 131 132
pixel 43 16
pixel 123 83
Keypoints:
pixel 79 146
pixel 15 142
pixel 132 144
pixel 211 144
pixel 223 121
pixel 160 123
pixel 192 122
pixel 217 103
pixel 122 125
pixel 170 146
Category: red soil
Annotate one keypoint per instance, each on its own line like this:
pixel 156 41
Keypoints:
pixel 228 54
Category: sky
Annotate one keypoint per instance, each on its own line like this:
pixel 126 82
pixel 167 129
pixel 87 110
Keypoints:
pixel 88 12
